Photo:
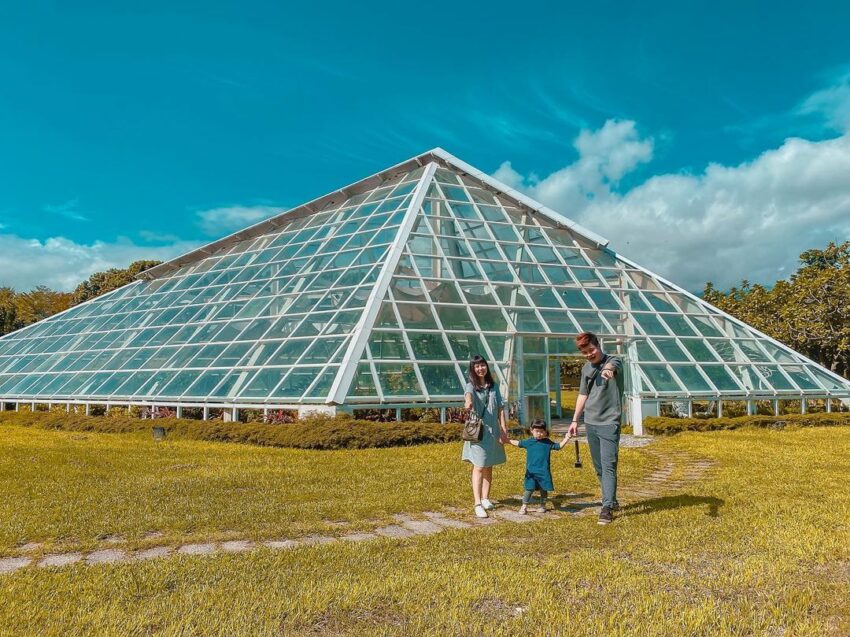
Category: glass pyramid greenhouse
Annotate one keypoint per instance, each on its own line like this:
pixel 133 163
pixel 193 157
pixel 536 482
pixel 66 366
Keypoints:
pixel 377 295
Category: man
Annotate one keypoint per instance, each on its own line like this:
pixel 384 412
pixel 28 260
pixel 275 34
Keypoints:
pixel 599 401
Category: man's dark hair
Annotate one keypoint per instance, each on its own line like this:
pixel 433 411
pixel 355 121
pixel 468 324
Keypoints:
pixel 587 338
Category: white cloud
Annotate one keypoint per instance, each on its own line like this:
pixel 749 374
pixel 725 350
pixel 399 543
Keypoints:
pixel 832 104
pixel 61 263
pixel 68 209
pixel 218 222
pixel 729 223
pixel 605 156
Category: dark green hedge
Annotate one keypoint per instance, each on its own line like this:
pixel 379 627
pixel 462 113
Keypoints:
pixel 318 432
pixel 661 426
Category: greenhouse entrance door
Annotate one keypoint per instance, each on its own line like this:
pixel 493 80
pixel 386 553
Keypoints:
pixel 564 379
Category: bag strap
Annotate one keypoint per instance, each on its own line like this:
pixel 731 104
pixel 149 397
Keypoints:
pixel 486 403
pixel 590 379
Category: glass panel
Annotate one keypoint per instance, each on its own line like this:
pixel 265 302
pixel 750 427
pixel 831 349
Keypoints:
pixel 559 322
pixel 205 383
pixel 534 375
pixel 705 325
pixel 575 299
pixel 699 350
pixel 441 380
pixel 720 377
pixel 322 351
pixel 416 316
pixel 453 317
pixel 262 385
pixel 691 378
pixel 752 351
pixel 428 346
pixel 670 350
pixel 776 379
pixel 398 379
pixel 465 346
pixel 363 384
pixel 645 352
pixel 748 377
pixel 661 379
pixel 446 292
pixel 476 294
pixel 321 387
pixel 490 320
pixel 388 345
pixel 297 382
pixel 650 324
pixel 679 325
pixel 526 321
pixel 800 377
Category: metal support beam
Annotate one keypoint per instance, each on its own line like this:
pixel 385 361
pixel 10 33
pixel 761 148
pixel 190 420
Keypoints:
pixel 775 407
pixel 354 352
pixel 751 407
pixel 206 415
pixel 829 405
pixel 636 415
pixel 179 411
pixel 398 414
pixel 88 409
pixel 719 408
pixel 690 408
pixel 442 415
pixel 804 408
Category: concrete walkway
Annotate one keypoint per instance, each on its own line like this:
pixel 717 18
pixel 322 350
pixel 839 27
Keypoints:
pixel 404 526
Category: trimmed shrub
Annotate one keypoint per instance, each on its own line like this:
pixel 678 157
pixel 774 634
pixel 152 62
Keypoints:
pixel 663 426
pixel 315 432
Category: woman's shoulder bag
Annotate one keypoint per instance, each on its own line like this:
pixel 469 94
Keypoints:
pixel 473 428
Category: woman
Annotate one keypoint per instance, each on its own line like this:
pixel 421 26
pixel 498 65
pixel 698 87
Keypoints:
pixel 483 395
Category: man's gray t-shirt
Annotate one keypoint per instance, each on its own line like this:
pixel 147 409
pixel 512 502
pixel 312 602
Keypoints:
pixel 603 406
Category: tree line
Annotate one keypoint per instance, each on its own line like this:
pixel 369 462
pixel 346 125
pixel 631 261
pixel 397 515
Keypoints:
pixel 809 311
pixel 19 309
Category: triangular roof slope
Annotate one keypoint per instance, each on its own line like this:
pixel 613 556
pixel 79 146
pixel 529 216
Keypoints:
pixel 378 293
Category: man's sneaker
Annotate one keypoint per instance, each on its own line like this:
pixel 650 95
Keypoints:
pixel 488 506
pixel 606 516
pixel 523 509
pixel 480 512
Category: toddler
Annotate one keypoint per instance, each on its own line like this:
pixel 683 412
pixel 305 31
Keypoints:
pixel 538 475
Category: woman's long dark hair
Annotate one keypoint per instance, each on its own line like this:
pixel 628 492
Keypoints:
pixel 473 377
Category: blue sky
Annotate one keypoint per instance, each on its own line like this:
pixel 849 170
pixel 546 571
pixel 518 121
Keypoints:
pixel 141 129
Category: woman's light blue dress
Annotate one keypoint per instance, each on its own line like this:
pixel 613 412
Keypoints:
pixel 489 451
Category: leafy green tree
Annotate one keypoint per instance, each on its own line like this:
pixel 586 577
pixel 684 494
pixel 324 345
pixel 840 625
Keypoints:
pixel 8 311
pixel 809 312
pixel 112 279
pixel 39 303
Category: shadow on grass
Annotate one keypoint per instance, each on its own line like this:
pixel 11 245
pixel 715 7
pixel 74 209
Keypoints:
pixel 560 502
pixel 674 502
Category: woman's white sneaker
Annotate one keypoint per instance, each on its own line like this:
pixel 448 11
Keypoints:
pixel 480 512
pixel 488 506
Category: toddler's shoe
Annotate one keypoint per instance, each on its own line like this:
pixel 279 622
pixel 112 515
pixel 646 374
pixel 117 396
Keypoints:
pixel 488 506
pixel 523 509
pixel 480 512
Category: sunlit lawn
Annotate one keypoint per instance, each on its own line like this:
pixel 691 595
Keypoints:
pixel 66 490
pixel 760 546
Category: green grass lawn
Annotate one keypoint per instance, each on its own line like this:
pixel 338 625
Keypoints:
pixel 760 546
